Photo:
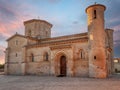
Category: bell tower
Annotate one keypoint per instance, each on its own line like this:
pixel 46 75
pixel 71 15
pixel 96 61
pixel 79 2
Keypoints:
pixel 96 43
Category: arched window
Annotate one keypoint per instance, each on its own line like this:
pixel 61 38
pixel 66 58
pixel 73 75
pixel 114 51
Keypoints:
pixel 16 42
pixel 16 55
pixel 46 57
pixel 32 57
pixel 81 54
pixel 94 14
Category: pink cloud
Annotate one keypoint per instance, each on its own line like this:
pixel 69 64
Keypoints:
pixel 11 21
pixel 117 27
pixel 12 16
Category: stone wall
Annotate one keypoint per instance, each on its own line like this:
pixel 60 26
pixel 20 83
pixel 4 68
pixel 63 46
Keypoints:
pixel 75 65
pixel 39 66
pixel 14 55
pixel 14 69
pixel 37 28
pixel 38 53
pixel 81 63
pixel 110 49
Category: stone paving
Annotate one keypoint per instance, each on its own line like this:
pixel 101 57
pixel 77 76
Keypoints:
pixel 57 83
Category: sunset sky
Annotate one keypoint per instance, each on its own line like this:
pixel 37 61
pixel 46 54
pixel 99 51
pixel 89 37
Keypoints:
pixel 67 16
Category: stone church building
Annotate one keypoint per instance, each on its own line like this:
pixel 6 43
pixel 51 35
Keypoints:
pixel 88 54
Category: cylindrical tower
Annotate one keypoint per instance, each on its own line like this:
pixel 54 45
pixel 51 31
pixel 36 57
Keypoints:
pixel 96 34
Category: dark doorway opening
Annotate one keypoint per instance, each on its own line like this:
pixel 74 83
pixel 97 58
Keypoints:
pixel 62 66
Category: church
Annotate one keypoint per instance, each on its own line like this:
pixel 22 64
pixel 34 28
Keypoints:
pixel 88 54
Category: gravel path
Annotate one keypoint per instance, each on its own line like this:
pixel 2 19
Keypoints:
pixel 58 83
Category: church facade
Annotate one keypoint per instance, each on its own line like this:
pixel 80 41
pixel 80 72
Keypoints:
pixel 88 54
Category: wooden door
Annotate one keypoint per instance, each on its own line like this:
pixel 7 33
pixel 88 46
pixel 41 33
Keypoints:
pixel 63 66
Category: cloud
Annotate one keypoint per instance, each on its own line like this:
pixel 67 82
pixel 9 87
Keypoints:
pixel 75 22
pixel 7 17
pixel 2 37
pixel 113 8
pixel 117 38
pixel 5 11
pixel 54 1
pixel 117 42
pixel 117 51
pixel 112 13
pixel 12 15
pixel 14 12
pixel 113 20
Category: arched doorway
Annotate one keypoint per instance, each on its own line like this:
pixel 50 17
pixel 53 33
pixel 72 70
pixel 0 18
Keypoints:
pixel 63 66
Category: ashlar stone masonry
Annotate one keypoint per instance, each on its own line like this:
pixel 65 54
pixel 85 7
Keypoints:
pixel 88 54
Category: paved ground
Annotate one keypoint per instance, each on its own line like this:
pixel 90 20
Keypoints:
pixel 57 83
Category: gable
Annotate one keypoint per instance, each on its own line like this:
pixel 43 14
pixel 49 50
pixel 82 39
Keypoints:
pixel 14 36
pixel 16 42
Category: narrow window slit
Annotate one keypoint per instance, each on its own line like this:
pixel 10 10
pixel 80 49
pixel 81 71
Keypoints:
pixel 94 14
pixel 94 57
pixel 16 54
pixel 32 57
pixel 81 55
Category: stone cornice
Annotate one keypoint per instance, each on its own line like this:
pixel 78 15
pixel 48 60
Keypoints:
pixel 80 35
pixel 58 43
pixel 31 38
pixel 37 20
pixel 60 38
pixel 95 5
pixel 60 47
pixel 12 62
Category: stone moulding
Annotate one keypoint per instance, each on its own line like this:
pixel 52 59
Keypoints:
pixel 57 43
pixel 60 47
pixel 36 20
pixel 12 62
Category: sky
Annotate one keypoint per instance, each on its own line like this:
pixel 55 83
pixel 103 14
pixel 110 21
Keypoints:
pixel 66 16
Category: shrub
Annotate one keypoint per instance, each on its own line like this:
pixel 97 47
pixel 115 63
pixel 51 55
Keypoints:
pixel 1 66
